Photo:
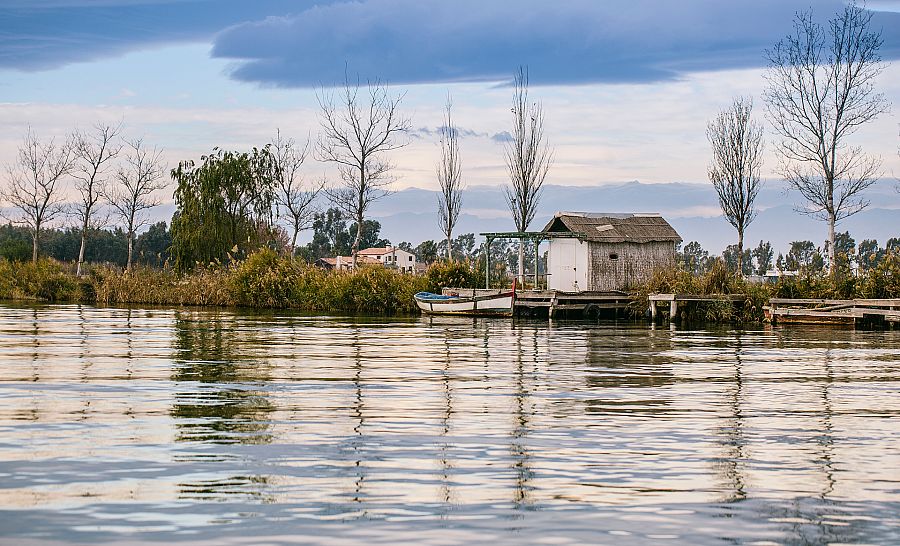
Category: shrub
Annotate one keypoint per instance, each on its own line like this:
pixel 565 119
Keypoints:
pixel 455 274
pixel 265 280
pixel 45 280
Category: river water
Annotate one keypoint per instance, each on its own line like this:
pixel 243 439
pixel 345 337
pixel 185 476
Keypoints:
pixel 195 426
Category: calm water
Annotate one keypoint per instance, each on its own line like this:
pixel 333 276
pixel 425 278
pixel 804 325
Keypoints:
pixel 199 426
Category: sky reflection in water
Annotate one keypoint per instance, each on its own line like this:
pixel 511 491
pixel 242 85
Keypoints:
pixel 216 426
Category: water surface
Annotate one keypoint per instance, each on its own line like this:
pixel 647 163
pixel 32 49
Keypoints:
pixel 224 427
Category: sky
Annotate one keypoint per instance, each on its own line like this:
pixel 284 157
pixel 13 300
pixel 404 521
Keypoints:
pixel 627 87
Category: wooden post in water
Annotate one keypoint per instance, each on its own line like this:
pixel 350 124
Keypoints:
pixel 537 243
pixel 487 262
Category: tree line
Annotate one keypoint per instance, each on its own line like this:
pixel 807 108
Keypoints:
pixel 802 257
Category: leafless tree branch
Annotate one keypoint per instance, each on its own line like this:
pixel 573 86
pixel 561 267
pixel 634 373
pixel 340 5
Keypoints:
pixel 138 179
pixel 821 89
pixel 528 159
pixel 449 175
pixel 360 126
pixel 34 184
pixel 293 196
pixel 93 152
pixel 737 147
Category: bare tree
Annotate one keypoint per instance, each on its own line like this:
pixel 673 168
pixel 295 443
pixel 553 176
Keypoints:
pixel 737 147
pixel 528 159
pixel 449 174
pixel 821 89
pixel 293 197
pixel 359 128
pixel 138 179
pixel 35 184
pixel 93 153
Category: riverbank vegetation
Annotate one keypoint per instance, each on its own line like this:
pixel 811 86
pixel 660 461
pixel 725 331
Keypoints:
pixel 866 271
pixel 263 280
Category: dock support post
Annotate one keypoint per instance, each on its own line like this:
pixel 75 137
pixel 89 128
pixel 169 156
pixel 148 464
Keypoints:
pixel 673 310
pixel 487 263
pixel 653 310
pixel 537 261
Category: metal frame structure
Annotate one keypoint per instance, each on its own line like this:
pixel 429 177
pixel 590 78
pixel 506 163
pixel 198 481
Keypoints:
pixel 536 236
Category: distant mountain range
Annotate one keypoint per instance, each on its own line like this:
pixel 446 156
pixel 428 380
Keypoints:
pixel 692 209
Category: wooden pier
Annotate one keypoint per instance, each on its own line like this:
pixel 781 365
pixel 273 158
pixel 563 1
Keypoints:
pixel 860 312
pixel 673 300
pixel 556 304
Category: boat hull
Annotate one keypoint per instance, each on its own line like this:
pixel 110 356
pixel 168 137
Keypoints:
pixel 500 305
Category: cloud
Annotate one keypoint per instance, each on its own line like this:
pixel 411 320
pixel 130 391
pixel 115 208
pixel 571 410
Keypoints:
pixel 46 34
pixel 573 42
pixel 502 137
pixel 435 133
pixel 305 43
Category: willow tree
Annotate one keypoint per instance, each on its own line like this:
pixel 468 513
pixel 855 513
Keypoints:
pixel 34 184
pixel 449 175
pixel 223 206
pixel 821 89
pixel 360 127
pixel 94 152
pixel 737 148
pixel 528 159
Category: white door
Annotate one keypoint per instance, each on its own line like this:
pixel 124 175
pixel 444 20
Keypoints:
pixel 562 264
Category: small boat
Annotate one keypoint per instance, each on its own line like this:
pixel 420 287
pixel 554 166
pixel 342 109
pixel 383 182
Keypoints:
pixel 497 305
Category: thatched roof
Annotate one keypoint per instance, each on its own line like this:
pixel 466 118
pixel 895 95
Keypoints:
pixel 614 227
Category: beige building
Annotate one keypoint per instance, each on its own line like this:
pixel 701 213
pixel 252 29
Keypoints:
pixel 607 251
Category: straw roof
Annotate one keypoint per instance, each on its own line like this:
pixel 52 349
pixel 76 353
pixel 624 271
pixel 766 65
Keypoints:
pixel 614 227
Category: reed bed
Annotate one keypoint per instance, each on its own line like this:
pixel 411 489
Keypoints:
pixel 263 280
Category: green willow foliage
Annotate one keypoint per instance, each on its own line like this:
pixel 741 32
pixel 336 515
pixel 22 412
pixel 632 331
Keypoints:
pixel 224 207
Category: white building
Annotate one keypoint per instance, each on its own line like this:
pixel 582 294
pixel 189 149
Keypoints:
pixel 391 256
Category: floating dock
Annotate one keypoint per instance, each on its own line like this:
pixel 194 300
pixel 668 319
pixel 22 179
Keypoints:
pixel 861 312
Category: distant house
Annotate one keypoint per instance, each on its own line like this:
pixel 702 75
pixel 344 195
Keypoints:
pixel 607 251
pixel 391 256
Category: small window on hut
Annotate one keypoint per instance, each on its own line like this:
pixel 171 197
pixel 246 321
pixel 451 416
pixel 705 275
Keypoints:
pixel 613 256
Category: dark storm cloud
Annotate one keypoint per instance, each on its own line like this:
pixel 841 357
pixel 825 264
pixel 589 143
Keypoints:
pixel 577 41
pixel 303 43
pixel 46 34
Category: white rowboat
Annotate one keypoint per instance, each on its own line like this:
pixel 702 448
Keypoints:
pixel 500 304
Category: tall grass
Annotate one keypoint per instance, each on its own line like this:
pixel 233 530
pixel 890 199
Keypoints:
pixel 267 280
pixel 882 281
pixel 263 280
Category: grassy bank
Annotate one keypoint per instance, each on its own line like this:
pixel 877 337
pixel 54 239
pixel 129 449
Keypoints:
pixel 881 281
pixel 264 280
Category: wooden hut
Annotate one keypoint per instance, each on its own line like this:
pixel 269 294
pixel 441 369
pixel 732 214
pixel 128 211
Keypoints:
pixel 605 252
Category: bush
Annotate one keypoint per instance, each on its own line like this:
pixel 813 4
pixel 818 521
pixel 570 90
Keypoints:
pixel 265 280
pixel 452 274
pixel 45 280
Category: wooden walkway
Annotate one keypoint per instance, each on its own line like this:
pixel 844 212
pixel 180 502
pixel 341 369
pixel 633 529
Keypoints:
pixel 555 303
pixel 673 301
pixel 861 312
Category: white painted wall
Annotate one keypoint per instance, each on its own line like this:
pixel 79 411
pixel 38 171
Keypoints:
pixel 567 265
pixel 401 259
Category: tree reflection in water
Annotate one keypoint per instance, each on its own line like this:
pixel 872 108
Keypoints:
pixel 731 464
pixel 521 455
pixel 218 398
